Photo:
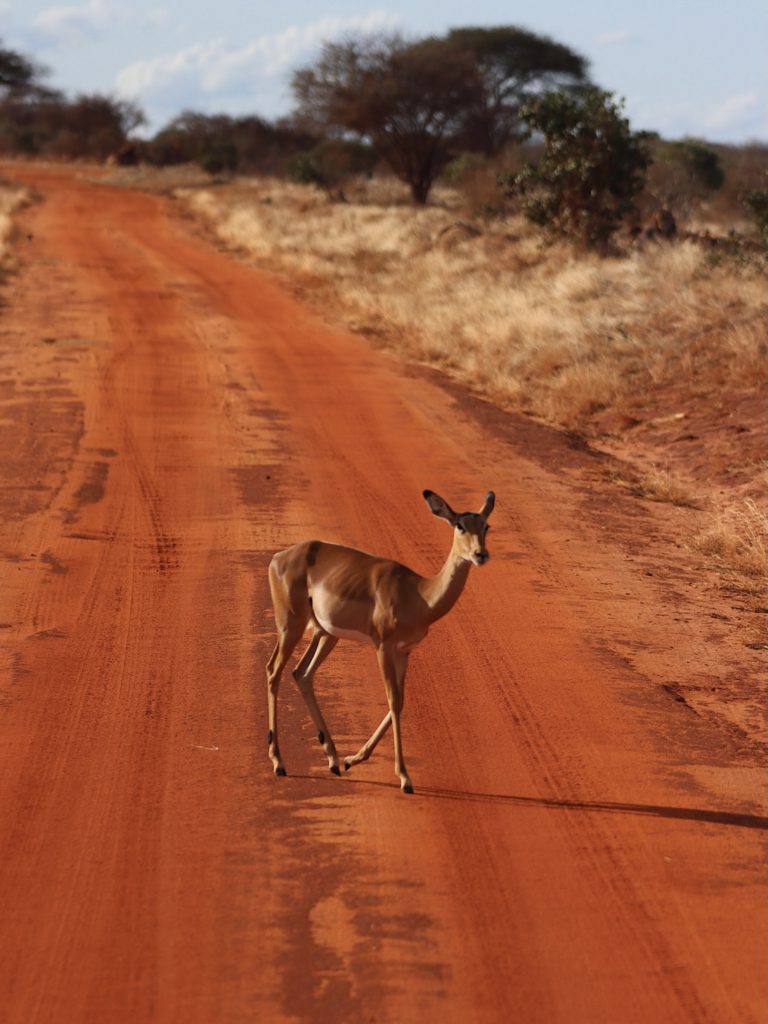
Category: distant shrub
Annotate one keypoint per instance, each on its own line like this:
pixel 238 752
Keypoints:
pixel 302 169
pixel 755 202
pixel 221 143
pixel 701 164
pixel 330 164
pixel 462 167
pixel 168 148
pixel 683 174
pixel 219 157
pixel 45 123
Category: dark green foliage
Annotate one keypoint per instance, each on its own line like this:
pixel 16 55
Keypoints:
pixel 683 173
pixel 17 72
pixel 302 169
pixel 220 158
pixel 513 66
pixel 701 164
pixel 591 168
pixel 755 202
pixel 221 143
pixel 331 163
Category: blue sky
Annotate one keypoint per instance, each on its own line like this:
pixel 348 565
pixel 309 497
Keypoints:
pixel 685 67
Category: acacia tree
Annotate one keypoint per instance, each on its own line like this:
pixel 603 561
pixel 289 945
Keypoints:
pixel 513 66
pixel 98 125
pixel 405 98
pixel 591 168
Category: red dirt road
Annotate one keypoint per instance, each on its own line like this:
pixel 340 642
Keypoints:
pixel 582 845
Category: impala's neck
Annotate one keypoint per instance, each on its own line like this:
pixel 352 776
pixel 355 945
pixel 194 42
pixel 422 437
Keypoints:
pixel 441 592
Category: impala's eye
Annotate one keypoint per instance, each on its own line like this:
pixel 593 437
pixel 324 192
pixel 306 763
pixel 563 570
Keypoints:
pixel 460 528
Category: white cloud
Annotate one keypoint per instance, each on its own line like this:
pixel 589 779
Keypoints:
pixel 617 38
pixel 733 112
pixel 61 25
pixel 203 74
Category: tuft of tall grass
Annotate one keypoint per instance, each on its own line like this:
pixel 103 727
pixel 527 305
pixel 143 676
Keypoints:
pixel 12 198
pixel 659 484
pixel 736 539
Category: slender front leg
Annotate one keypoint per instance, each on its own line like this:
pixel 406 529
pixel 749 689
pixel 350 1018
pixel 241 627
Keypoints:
pixel 273 687
pixel 370 745
pixel 304 674
pixel 392 665
pixel 288 637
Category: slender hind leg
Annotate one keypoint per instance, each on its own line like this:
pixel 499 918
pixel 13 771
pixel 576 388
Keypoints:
pixel 370 745
pixel 288 636
pixel 320 647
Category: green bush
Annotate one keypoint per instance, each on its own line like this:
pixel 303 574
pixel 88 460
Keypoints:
pixel 591 168
pixel 683 174
pixel 755 201
pixel 219 158
pixel 330 164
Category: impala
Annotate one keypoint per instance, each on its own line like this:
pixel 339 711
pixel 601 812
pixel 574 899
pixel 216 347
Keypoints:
pixel 342 593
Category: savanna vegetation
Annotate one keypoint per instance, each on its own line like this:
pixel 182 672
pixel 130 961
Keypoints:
pixel 12 198
pixel 476 202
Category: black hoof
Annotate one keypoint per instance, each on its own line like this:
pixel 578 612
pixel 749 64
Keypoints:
pixel 335 769
pixel 408 788
pixel 347 766
pixel 280 771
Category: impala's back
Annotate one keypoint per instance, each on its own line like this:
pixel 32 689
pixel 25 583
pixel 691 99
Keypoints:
pixel 348 593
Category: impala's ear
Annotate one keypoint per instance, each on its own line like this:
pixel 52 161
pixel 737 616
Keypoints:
pixel 439 507
pixel 490 501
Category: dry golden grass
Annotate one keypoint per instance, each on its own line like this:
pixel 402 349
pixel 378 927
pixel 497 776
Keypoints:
pixel 660 484
pixel 735 539
pixel 12 198
pixel 163 180
pixel 557 333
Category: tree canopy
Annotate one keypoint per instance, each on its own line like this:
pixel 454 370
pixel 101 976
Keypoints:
pixel 405 98
pixel 513 66
pixel 17 72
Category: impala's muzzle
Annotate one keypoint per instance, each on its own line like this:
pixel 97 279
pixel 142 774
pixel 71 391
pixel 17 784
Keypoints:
pixel 480 557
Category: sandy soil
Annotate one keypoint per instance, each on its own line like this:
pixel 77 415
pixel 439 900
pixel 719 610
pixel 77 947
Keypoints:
pixel 584 732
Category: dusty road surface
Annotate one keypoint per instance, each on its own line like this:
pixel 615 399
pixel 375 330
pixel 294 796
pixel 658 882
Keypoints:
pixel 583 844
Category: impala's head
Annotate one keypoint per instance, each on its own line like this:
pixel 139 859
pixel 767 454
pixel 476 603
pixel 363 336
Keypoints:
pixel 469 528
